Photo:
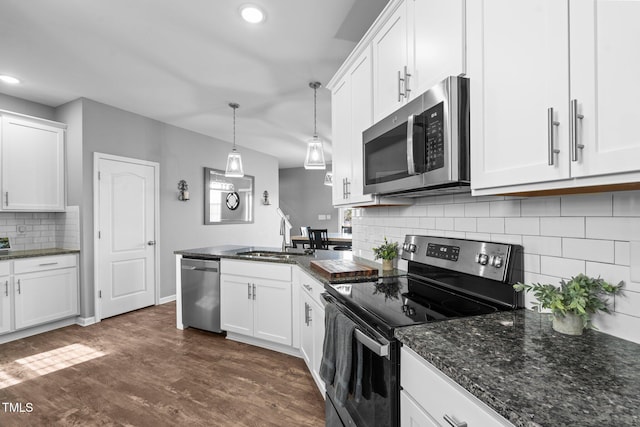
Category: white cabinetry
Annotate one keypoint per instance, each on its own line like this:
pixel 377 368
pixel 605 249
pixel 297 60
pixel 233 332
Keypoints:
pixel 420 43
pixel 255 300
pixel 37 291
pixel 443 402
pixel 32 152
pixel 5 297
pixel 312 326
pixel 551 109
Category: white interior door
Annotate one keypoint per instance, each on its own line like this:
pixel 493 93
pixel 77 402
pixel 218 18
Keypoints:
pixel 126 223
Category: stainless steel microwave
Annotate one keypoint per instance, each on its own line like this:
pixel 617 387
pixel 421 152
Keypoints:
pixel 423 147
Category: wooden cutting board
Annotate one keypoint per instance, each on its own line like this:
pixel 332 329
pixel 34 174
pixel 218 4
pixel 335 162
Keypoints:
pixel 341 269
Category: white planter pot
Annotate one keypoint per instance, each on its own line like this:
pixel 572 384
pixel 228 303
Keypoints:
pixel 569 324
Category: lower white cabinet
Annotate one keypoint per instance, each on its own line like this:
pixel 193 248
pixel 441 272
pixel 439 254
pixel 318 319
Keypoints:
pixel 429 398
pixel 5 297
pixel 312 325
pixel 38 290
pixel 255 300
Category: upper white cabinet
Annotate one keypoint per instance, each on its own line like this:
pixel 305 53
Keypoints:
pixel 351 114
pixel 404 53
pixel 550 108
pixel 420 43
pixel 33 173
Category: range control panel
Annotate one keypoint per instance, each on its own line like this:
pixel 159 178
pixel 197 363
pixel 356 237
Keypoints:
pixel 484 259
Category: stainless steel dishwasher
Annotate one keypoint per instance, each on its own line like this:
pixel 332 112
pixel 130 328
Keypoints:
pixel 201 294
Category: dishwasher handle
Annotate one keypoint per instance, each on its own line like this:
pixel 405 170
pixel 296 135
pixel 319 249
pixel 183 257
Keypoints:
pixel 193 268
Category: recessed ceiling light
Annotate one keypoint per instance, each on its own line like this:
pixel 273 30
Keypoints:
pixel 9 79
pixel 252 14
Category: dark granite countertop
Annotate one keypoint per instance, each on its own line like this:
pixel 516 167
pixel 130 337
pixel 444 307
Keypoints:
pixel 302 259
pixel 36 253
pixel 532 375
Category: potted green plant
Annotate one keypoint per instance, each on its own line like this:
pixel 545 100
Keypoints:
pixel 573 302
pixel 387 252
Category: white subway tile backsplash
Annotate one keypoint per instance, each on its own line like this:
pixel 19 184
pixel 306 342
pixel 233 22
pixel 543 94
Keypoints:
pixel 562 226
pixel 491 225
pixel 480 209
pixel 532 263
pixel 615 228
pixel 626 203
pixel 620 325
pixel 454 210
pixel 611 273
pixel 634 261
pixel 627 302
pixel 465 224
pixel 504 208
pixel 551 246
pixel 530 226
pixel 622 250
pixel 561 267
pixel 540 206
pixel 587 205
pixel 427 223
pixel 435 210
pixel 444 223
pixel 478 236
pixel 511 239
pixel 588 249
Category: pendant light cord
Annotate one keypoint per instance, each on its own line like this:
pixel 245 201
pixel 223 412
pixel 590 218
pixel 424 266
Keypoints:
pixel 315 86
pixel 234 106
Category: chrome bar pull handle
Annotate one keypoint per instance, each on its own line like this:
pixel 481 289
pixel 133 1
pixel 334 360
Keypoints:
pixel 6 288
pixel 371 344
pixel 254 291
pixel 249 290
pixel 406 82
pixel 6 198
pixel 551 131
pixel 573 129
pixel 19 289
pixel 411 164
pixel 400 80
pixel 452 422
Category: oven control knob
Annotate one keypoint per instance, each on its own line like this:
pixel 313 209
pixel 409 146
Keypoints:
pixel 497 261
pixel 410 311
pixel 482 259
pixel 412 248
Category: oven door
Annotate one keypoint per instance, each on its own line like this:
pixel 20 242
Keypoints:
pixel 378 404
pixel 394 151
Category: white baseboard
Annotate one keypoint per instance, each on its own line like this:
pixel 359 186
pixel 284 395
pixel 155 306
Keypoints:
pixel 85 321
pixel 165 300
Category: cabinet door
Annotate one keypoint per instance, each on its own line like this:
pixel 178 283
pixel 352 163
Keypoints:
pixel 32 166
pixel 412 415
pixel 236 304
pixel 317 323
pixel 604 67
pixel 389 61
pixel 306 329
pixel 436 42
pixel 45 296
pixel 272 311
pixel 341 134
pixel 5 304
pixel 518 65
pixel 361 119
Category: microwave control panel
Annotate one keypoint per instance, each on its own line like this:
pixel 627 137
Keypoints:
pixel 434 136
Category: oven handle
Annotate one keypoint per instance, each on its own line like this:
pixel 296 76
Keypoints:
pixel 378 346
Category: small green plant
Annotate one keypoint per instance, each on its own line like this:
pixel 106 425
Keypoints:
pixel 582 296
pixel 386 250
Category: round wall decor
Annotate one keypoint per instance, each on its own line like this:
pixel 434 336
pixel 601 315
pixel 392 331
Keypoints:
pixel 233 200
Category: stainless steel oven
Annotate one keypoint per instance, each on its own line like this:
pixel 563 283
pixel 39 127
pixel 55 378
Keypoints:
pixel 447 278
pixel 423 146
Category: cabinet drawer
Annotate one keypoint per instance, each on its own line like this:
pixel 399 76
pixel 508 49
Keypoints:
pixel 264 270
pixel 311 286
pixel 43 263
pixel 5 268
pixel 440 396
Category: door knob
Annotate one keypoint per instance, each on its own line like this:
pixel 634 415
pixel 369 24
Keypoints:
pixel 151 242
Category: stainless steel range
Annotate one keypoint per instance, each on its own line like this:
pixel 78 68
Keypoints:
pixel 447 279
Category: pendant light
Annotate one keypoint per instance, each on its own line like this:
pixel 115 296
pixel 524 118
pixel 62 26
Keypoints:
pixel 328 179
pixel 234 161
pixel 315 151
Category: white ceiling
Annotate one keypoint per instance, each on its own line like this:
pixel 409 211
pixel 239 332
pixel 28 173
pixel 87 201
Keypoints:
pixel 182 62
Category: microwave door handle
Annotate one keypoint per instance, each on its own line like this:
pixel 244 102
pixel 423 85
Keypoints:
pixel 411 165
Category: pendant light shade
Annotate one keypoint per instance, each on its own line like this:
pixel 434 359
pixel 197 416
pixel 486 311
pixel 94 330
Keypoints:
pixel 234 160
pixel 328 179
pixel 315 150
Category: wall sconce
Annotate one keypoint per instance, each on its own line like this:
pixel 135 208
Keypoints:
pixel 183 190
pixel 265 198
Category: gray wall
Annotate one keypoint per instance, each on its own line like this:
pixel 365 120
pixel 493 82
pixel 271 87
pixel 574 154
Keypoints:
pixel 303 196
pixel 95 127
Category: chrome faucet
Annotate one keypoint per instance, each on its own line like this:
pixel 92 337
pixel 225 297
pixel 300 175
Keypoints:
pixel 284 226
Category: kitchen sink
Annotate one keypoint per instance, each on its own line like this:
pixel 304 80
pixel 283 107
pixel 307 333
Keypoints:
pixel 271 255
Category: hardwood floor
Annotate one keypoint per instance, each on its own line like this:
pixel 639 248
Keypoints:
pixel 137 369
